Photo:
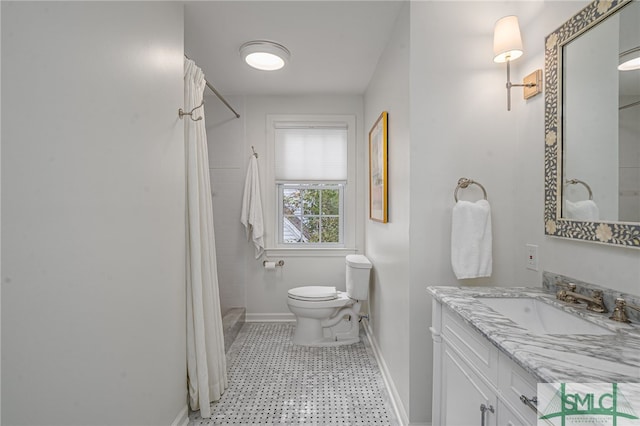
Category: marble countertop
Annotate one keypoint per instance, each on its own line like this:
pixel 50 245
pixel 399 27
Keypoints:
pixel 550 358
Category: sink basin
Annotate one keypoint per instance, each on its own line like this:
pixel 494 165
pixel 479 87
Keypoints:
pixel 541 318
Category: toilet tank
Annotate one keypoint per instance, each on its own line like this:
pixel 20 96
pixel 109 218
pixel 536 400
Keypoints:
pixel 358 272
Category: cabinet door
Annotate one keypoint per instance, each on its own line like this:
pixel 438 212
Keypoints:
pixel 513 382
pixel 507 417
pixel 464 392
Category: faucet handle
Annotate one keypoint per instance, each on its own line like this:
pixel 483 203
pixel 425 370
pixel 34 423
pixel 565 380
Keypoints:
pixel 619 314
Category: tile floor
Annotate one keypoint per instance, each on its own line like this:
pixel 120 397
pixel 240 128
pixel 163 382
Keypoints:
pixel 272 381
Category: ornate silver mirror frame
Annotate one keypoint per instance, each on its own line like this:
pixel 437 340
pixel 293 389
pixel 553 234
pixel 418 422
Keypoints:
pixel 615 233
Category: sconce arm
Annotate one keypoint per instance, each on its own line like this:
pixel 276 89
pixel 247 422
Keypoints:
pixel 509 85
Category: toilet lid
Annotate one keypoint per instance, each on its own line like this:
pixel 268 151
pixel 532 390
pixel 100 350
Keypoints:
pixel 319 293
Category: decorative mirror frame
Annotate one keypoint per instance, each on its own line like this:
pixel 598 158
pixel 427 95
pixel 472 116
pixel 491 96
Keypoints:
pixel 614 233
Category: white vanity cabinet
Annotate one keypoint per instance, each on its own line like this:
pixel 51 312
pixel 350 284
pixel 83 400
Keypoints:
pixel 474 383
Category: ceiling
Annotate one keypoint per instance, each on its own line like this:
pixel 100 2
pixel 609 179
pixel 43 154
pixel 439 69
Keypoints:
pixel 334 45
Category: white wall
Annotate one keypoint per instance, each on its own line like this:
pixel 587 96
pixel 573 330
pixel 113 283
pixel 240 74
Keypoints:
pixel 227 162
pixel 93 241
pixel 387 244
pixel 609 266
pixel 459 127
pixel 230 141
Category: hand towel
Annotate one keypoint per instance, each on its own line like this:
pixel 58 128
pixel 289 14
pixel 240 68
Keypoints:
pixel 582 210
pixel 471 239
pixel 251 216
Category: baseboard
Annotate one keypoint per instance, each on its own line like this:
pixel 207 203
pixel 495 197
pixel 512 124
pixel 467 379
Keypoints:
pixel 396 402
pixel 270 318
pixel 182 419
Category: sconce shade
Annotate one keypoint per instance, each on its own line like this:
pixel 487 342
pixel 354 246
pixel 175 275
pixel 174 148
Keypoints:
pixel 507 42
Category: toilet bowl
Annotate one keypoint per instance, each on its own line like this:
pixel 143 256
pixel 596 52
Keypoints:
pixel 326 316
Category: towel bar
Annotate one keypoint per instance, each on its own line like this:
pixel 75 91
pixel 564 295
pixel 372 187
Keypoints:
pixel 464 183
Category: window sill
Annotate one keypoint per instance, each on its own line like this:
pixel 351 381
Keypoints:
pixel 309 252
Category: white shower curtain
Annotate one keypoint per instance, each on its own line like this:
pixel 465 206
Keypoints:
pixel 206 363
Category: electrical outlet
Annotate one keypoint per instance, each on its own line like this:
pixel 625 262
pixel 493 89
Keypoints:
pixel 532 257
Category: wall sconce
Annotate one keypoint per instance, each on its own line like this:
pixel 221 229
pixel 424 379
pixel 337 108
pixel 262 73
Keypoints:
pixel 507 46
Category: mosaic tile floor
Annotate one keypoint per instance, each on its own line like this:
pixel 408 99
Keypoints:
pixel 272 381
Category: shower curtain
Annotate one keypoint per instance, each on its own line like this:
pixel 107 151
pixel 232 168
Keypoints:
pixel 206 363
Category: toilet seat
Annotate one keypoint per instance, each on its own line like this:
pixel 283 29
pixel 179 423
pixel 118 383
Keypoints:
pixel 313 293
pixel 339 300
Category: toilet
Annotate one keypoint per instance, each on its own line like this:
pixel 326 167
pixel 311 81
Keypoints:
pixel 326 316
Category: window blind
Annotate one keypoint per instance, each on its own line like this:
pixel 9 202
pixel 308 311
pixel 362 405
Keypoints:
pixel 311 154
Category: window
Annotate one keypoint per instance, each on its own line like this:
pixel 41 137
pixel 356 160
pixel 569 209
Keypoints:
pixel 311 213
pixel 311 175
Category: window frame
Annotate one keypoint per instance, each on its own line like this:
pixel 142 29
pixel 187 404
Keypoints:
pixel 321 185
pixel 274 246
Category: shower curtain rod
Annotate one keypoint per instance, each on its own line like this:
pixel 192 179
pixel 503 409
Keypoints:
pixel 215 92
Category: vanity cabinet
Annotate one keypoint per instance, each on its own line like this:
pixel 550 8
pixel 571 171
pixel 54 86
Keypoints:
pixel 474 382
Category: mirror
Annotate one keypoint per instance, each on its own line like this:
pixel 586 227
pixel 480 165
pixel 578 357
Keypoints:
pixel 592 126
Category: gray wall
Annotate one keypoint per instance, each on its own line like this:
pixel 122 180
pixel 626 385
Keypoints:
pixel 93 240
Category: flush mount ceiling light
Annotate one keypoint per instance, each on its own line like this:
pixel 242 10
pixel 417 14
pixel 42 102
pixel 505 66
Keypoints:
pixel 630 60
pixel 265 55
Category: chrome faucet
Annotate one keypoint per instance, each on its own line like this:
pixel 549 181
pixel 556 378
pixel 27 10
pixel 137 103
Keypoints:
pixel 619 313
pixel 595 303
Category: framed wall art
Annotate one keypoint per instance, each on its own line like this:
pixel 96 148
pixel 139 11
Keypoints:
pixel 378 189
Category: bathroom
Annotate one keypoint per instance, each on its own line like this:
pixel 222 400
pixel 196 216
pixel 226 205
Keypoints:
pixel 79 197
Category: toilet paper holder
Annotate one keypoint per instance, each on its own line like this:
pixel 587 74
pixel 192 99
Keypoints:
pixel 278 263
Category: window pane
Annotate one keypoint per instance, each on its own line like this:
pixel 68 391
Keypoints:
pixel 291 201
pixel 331 201
pixel 310 213
pixel 311 201
pixel 311 229
pixel 291 230
pixel 330 229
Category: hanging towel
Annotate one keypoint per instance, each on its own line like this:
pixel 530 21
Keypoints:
pixel 251 216
pixel 471 239
pixel 582 210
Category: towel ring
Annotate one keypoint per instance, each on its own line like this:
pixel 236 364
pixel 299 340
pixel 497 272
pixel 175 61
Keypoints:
pixel 464 183
pixel 583 183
